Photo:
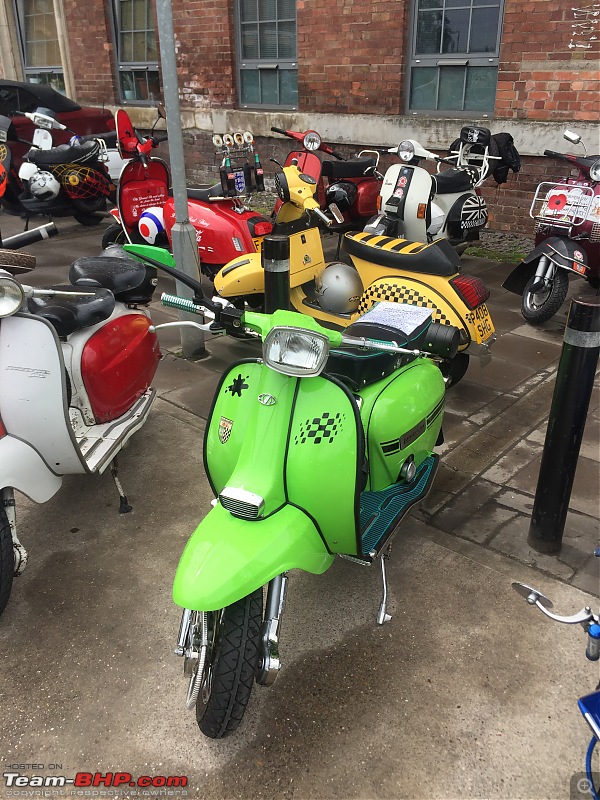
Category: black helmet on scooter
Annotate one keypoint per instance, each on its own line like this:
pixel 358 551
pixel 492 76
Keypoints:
pixel 343 194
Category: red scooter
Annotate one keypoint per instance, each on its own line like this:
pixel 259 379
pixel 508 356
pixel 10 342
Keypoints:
pixel 145 211
pixel 567 237
pixel 353 184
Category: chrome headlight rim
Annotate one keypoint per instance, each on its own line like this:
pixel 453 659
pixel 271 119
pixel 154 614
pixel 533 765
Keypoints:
pixel 406 150
pixel 11 296
pixel 595 171
pixel 312 141
pixel 319 341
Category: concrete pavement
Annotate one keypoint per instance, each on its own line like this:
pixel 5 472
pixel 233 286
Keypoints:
pixel 466 693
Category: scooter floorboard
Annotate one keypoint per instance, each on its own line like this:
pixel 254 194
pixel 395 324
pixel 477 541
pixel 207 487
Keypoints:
pixel 380 512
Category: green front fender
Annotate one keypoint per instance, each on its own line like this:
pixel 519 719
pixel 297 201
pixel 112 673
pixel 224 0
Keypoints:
pixel 228 558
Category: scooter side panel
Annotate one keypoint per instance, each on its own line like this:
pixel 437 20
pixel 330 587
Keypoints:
pixel 247 432
pixel 24 469
pixel 402 416
pixel 33 391
pixel 227 558
pixel 325 459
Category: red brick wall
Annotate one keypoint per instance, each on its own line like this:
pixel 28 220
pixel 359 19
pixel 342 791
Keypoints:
pixel 205 40
pixel 548 62
pixel 351 55
pixel 90 43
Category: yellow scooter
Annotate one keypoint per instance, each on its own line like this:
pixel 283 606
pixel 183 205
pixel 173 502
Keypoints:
pixel 383 268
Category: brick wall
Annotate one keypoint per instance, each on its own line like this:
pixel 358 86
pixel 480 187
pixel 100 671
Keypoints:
pixel 351 55
pixel 205 42
pixel 549 62
pixel 91 49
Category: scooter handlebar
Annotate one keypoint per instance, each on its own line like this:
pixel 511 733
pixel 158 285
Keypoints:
pixel 282 132
pixel 323 217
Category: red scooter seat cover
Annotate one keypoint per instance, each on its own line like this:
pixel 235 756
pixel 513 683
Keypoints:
pixel 118 364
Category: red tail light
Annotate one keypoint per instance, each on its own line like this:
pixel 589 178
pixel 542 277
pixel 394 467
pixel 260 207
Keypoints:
pixel 473 291
pixel 262 228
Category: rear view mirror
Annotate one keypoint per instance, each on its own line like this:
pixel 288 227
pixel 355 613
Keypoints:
pixel 574 138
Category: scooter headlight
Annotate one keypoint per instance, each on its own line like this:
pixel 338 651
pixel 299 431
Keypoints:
pixel 11 296
pixel 595 171
pixel 281 187
pixel 312 140
pixel 406 150
pixel 295 351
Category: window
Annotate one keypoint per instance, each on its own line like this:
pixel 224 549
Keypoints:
pixel 268 70
pixel 455 52
pixel 137 58
pixel 38 37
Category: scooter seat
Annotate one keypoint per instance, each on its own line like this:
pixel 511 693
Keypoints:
pixel 67 315
pixel 206 195
pixel 434 258
pixel 65 154
pixel 355 168
pixel 129 280
pixel 453 180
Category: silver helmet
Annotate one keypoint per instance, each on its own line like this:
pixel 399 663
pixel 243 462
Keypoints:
pixel 339 288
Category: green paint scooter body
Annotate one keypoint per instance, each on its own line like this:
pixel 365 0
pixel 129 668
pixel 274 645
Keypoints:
pixel 301 444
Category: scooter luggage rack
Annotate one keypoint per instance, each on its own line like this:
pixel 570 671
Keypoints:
pixel 560 205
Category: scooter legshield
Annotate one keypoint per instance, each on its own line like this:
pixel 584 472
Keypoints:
pixel 227 557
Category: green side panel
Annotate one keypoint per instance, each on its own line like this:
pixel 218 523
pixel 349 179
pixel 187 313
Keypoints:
pixel 402 416
pixel 227 558
pixel 321 466
pixel 157 253
pixel 245 439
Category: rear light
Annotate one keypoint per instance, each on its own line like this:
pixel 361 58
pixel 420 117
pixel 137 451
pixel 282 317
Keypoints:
pixel 263 229
pixel 259 226
pixel 2 429
pixel 472 290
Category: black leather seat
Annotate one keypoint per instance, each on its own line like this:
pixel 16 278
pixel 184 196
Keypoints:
pixel 65 154
pixel 129 280
pixel 206 195
pixel 434 258
pixel 67 314
pixel 355 168
pixel 452 181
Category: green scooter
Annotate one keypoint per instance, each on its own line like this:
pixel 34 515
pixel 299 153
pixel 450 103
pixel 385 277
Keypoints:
pixel 318 449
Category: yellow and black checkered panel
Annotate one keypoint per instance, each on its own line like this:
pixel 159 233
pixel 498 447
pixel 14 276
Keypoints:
pixel 397 293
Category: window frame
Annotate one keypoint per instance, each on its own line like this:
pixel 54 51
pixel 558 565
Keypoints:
pixel 438 60
pixel 32 71
pixel 248 64
pixel 122 67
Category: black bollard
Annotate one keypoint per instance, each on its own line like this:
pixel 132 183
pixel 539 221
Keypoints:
pixel 276 264
pixel 570 403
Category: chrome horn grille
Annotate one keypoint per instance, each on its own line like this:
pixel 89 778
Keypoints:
pixel 242 503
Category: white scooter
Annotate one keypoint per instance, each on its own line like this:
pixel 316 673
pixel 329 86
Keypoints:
pixel 76 363
pixel 421 207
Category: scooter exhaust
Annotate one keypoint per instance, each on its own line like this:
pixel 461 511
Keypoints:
pixel 29 237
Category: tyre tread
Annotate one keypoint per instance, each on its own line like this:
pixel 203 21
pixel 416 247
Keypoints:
pixel 7 560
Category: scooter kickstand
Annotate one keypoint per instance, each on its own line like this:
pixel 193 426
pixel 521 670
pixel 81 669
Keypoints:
pixel 124 507
pixel 382 615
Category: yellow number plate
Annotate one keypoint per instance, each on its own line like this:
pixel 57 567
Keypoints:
pixel 482 323
pixel 258 244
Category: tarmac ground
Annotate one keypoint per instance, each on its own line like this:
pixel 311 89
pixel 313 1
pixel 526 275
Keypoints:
pixel 466 693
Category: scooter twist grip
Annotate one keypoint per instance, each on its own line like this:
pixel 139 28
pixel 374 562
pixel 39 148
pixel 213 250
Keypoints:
pixel 180 303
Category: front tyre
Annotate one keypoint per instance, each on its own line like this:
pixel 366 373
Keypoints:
pixel 7 560
pixel 230 667
pixel 540 306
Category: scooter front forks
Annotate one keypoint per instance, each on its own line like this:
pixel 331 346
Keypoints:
pixel 543 274
pixel 269 662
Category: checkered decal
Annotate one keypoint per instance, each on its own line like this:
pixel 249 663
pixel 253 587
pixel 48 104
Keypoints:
pixel 396 293
pixel 320 429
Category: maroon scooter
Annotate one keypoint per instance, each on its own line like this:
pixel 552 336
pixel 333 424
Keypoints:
pixel 567 237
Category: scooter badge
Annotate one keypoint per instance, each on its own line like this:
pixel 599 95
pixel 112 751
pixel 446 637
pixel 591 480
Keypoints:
pixel 267 399
pixel 225 426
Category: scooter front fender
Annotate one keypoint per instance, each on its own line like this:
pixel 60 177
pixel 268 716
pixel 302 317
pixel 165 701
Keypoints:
pixel 227 557
pixel 559 249
pixel 24 469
